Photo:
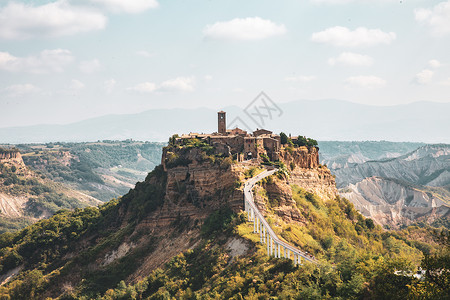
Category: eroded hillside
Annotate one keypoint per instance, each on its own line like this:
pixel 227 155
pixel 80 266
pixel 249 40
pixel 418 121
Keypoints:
pixel 27 196
pixel 396 192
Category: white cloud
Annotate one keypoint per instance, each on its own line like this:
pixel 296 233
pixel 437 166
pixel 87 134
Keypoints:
pixel 244 29
pixel 368 82
pixel 146 87
pixel 300 78
pixel 351 59
pixel 360 37
pixel 127 6
pixel 90 66
pixel 23 21
pixel 144 53
pixel 19 90
pixel 434 63
pixel 424 76
pixel 76 85
pixel 48 61
pixel 208 77
pixel 109 85
pixel 437 18
pixel 179 84
pixel 183 84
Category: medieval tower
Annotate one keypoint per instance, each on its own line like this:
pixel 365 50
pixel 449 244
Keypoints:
pixel 222 122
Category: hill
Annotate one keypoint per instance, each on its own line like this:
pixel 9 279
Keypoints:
pixel 180 233
pixel 103 169
pixel 422 121
pixel 27 196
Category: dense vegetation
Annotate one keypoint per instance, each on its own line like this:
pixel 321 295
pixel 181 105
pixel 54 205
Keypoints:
pixel 299 141
pixel 348 270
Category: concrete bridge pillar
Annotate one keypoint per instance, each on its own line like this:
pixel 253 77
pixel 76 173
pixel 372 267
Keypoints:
pixel 264 235
pixel 271 246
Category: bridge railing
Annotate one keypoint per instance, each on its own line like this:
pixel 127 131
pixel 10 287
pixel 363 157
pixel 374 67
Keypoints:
pixel 275 246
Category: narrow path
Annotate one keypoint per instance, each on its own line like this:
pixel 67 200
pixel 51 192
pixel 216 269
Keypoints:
pixel 275 246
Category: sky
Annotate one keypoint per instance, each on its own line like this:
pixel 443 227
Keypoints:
pixel 67 60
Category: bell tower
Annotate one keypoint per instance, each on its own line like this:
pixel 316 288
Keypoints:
pixel 222 123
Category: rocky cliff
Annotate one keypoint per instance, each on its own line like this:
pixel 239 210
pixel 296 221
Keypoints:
pixel 305 171
pixel 10 155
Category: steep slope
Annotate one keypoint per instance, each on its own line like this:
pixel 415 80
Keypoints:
pixel 26 196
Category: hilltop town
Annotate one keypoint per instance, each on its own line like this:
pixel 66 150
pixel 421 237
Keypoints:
pixel 241 144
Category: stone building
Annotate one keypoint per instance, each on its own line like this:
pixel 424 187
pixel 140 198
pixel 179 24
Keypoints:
pixel 240 143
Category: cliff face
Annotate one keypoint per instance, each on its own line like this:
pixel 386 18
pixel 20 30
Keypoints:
pixel 196 186
pixel 10 155
pixel 302 157
pixel 306 172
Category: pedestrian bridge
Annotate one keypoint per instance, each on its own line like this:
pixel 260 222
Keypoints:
pixel 275 246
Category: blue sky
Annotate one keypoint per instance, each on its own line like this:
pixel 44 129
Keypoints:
pixel 68 60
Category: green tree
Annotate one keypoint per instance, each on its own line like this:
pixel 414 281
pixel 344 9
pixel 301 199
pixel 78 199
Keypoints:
pixel 284 138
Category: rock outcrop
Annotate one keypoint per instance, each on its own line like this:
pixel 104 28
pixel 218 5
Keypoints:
pixel 303 164
pixel 10 155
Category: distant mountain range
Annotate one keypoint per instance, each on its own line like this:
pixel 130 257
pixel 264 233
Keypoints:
pixel 321 119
